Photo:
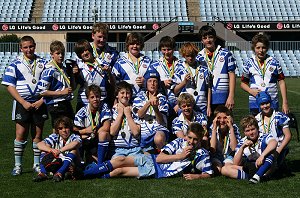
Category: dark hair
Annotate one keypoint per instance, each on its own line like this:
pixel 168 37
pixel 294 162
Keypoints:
pixel 222 109
pixel 81 46
pixel 57 46
pixel 100 27
pixel 207 30
pixel 167 41
pixel 67 122
pixel 248 121
pixel 94 88
pixel 123 85
pixel 260 38
pixel 26 38
pixel 196 128
pixel 134 38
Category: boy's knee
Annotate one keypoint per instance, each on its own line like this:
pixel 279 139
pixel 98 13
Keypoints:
pixel 103 136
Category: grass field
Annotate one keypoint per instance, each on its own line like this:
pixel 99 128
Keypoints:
pixel 22 186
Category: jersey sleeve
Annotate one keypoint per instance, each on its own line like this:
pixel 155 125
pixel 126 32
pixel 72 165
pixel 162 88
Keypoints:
pixel 173 146
pixel 10 77
pixel 202 162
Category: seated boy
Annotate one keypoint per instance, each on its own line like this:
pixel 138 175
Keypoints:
pixel 186 103
pixel 275 123
pixel 63 144
pixel 93 123
pixel 152 108
pixel 253 156
pixel 125 128
pixel 224 136
pixel 181 156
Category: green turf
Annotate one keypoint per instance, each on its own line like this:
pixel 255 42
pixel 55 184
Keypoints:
pixel 23 186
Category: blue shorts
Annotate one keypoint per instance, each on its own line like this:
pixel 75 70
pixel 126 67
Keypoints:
pixel 145 165
pixel 118 151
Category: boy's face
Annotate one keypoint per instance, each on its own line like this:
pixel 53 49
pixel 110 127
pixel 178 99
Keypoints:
pixel 265 108
pixel 134 49
pixel 193 139
pixel 28 49
pixel 99 39
pixel 94 100
pixel 58 57
pixel 87 56
pixel 167 52
pixel 190 59
pixel 124 96
pixel 209 42
pixel 260 50
pixel 63 131
pixel 152 85
pixel 222 120
pixel 251 132
pixel 187 109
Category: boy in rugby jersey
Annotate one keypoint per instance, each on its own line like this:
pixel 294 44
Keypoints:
pixel 92 70
pixel 221 65
pixel 186 103
pixel 62 144
pixel 132 66
pixel 181 157
pixel 253 154
pixel 100 47
pixel 152 109
pixel 57 84
pixel 193 78
pixel 92 122
pixel 275 123
pixel 125 128
pixel 224 136
pixel 262 72
pixel 29 111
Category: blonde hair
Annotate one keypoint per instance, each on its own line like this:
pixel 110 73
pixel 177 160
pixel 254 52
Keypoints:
pixel 189 49
pixel 185 98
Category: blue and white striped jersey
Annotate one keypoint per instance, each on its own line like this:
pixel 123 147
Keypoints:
pixel 83 118
pixel 109 55
pixel 259 146
pixel 180 123
pixel 24 76
pixel 125 69
pixel 267 82
pixel 91 75
pixel 149 125
pixel 201 79
pixel 278 122
pixel 125 138
pixel 200 162
pixel 53 80
pixel 224 62
pixel 224 150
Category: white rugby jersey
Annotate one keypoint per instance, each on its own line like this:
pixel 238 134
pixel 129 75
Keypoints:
pixel 109 55
pixel 124 138
pixel 180 124
pixel 254 75
pixel 259 146
pixel 201 77
pixel 149 125
pixel 83 116
pixel 199 162
pixel 125 69
pixel 223 62
pixel 24 77
pixel 89 77
pixel 53 80
pixel 278 122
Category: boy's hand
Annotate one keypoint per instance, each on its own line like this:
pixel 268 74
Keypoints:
pixel 27 105
pixel 127 111
pixel 215 123
pixel 154 101
pixel 229 121
pixel 247 143
pixel 187 78
pixel 259 161
pixel 55 152
pixel 139 81
pixel 66 91
pixel 120 108
pixel 168 83
pixel 36 105
pixel 254 92
pixel 186 152
pixel 75 69
pixel 229 103
pixel 106 68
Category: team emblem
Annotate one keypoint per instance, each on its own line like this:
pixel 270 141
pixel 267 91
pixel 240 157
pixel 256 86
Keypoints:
pixel 40 65
pixel 108 56
pixel 221 59
pixel 144 65
pixel 18 116
pixel 201 76
pixel 34 81
pixel 271 69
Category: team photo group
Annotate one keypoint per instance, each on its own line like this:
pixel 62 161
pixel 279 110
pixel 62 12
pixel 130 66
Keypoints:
pixel 143 118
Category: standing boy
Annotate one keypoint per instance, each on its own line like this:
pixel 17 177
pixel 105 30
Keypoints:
pixel 29 111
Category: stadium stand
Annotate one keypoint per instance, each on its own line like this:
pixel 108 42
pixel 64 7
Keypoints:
pixel 289 60
pixel 250 10
pixel 114 11
pixel 15 10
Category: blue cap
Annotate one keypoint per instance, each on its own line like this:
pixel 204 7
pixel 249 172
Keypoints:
pixel 263 97
pixel 151 73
